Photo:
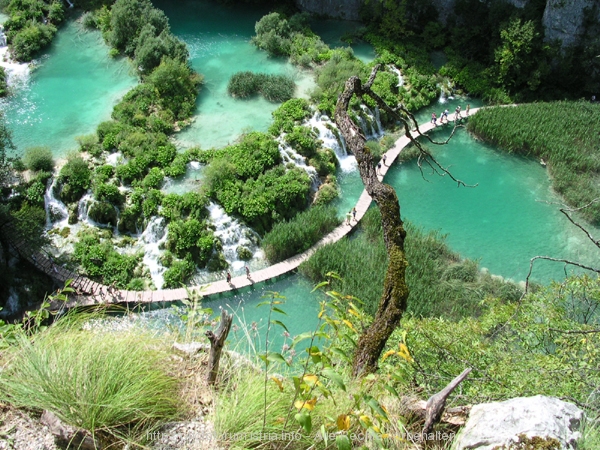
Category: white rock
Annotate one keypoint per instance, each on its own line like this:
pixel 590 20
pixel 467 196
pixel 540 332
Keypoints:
pixel 498 424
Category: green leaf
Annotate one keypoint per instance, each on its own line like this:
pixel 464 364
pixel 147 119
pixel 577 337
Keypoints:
pixel 324 434
pixel 280 323
pixel 305 420
pixel 391 390
pixel 279 310
pixel 276 357
pixel 302 337
pixel 319 286
pixel 375 406
pixel 340 352
pixel 335 377
pixel 342 442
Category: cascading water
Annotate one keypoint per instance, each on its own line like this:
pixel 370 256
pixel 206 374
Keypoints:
pixel 233 235
pixel 394 69
pixel 153 237
pixel 289 155
pixel 325 128
pixel 57 213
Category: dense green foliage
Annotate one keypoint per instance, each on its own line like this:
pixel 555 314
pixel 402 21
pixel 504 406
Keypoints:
pixel 248 180
pixel 74 179
pixel 31 26
pixel 191 237
pixel 275 88
pixel 38 158
pixel 516 349
pixel 100 261
pixel 79 376
pixel 289 238
pixel 293 112
pixel 440 283
pixel 3 85
pixel 564 134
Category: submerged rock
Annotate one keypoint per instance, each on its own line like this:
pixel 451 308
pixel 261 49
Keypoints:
pixel 543 420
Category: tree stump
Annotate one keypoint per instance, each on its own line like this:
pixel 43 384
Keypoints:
pixel 217 341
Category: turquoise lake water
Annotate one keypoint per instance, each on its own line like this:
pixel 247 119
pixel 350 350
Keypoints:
pixel 502 222
pixel 73 89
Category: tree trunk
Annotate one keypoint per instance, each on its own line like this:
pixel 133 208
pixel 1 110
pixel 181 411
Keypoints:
pixel 217 341
pixel 395 291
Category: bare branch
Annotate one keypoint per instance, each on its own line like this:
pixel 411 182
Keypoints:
pixel 548 258
pixel 578 225
pixel 574 331
pixel 437 402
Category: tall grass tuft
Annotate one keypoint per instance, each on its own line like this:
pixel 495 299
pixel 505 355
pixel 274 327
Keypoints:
pixel 440 282
pixel 287 239
pixel 274 88
pixel 114 385
pixel 564 134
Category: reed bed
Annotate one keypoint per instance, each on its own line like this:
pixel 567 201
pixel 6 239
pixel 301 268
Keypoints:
pixel 287 239
pixel 564 134
pixel 439 281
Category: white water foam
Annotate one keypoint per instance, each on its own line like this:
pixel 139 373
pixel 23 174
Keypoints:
pixel 57 213
pixel 153 237
pixel 233 234
pixel 324 126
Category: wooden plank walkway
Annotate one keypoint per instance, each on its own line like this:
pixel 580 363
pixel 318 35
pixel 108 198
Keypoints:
pixel 92 293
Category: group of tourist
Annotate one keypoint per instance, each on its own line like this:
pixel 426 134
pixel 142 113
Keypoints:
pixel 444 115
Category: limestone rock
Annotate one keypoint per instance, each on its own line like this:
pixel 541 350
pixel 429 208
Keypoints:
pixel 563 20
pixel 494 425
pixel 339 9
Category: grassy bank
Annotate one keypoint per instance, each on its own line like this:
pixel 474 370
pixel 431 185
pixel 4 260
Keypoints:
pixel 440 282
pixel 564 134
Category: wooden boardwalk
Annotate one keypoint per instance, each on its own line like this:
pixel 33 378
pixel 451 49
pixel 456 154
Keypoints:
pixel 92 293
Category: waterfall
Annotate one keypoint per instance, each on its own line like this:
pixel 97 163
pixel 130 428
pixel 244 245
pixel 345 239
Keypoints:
pixel 153 237
pixel 394 69
pixel 2 38
pixel 334 141
pixel 70 4
pixel 289 155
pixel 233 234
pixel 56 210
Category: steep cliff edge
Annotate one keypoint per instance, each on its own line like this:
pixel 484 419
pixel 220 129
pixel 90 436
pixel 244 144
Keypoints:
pixel 563 19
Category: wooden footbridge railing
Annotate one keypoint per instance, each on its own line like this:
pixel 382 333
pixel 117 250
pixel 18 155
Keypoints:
pixel 90 293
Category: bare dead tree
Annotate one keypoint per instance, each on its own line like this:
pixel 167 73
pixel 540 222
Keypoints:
pixel 568 262
pixel 217 341
pixel 395 291
pixel 437 402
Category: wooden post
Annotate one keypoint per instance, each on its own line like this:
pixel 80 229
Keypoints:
pixel 437 402
pixel 217 341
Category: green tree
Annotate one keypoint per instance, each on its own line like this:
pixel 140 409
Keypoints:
pixel 518 55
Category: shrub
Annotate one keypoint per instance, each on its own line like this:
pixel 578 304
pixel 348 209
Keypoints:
pixel 3 85
pixel 287 239
pixel 27 42
pixel 79 376
pixel 326 194
pixel 179 273
pixel 291 113
pixel 107 192
pixel 103 213
pixel 38 158
pixel 154 179
pixel 190 237
pixel 75 178
pixel 303 140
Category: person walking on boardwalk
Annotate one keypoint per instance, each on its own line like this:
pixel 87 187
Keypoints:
pixel 457 113
pixel 445 115
pixel 468 108
pixel 247 272
pixel 348 218
pixel 384 158
pixel 354 214
pixel 228 277
pixel 433 119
